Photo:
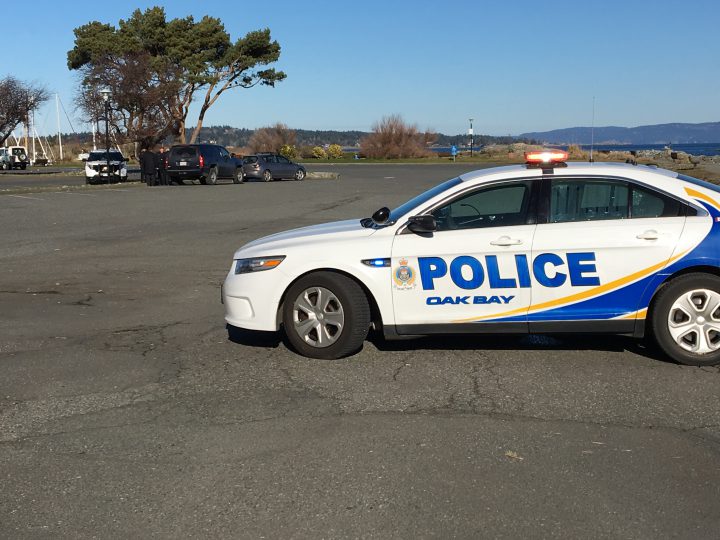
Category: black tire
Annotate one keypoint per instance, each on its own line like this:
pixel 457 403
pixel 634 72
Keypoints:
pixel 660 314
pixel 239 176
pixel 267 176
pixel 23 166
pixel 88 181
pixel 299 175
pixel 212 176
pixel 351 301
pixel 203 181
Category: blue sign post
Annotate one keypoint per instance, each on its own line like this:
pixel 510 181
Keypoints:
pixel 453 151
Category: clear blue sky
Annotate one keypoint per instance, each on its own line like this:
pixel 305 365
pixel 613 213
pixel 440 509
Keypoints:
pixel 515 67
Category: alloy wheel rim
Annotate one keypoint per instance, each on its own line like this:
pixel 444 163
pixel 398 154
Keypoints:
pixel 694 321
pixel 318 317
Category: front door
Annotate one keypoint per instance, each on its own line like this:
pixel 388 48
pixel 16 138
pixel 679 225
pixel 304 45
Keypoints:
pixel 473 269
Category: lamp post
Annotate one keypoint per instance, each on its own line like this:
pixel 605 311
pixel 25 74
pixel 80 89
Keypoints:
pixel 105 93
pixel 470 132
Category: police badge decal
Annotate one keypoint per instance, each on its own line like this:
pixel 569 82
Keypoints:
pixel 404 276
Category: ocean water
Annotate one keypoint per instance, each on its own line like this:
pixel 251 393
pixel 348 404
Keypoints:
pixel 697 149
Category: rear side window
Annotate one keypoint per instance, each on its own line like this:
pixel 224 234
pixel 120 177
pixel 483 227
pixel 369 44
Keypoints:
pixel 250 159
pixel 586 200
pixel 598 200
pixel 184 152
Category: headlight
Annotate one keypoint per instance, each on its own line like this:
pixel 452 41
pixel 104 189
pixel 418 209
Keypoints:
pixel 257 264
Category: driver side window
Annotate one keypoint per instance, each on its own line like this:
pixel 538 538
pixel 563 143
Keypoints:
pixel 495 206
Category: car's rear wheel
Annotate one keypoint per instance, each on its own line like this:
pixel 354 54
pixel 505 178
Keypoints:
pixel 239 177
pixel 326 315
pixel 267 176
pixel 686 319
pixel 203 181
pixel 299 175
pixel 212 176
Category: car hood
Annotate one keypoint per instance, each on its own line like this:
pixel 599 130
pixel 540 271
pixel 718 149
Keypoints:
pixel 305 236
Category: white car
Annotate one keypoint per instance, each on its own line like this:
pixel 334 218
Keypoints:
pixel 548 247
pixel 96 167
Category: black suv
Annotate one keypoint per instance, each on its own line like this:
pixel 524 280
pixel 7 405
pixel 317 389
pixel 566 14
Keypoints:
pixel 204 162
pixel 267 167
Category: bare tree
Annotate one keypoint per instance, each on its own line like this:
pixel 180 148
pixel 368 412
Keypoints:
pixel 392 138
pixel 272 138
pixel 17 101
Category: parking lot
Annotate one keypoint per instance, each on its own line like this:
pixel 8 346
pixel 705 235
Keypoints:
pixel 127 409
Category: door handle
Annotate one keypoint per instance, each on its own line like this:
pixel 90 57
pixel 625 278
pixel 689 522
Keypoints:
pixel 649 235
pixel 506 241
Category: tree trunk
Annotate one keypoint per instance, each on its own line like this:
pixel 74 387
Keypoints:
pixel 196 131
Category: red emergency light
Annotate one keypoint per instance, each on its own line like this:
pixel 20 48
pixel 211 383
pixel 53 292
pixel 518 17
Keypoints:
pixel 546 157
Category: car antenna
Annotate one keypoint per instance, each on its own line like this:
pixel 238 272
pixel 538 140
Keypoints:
pixel 592 130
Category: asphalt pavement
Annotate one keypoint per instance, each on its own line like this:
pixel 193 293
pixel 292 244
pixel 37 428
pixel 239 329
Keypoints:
pixel 127 409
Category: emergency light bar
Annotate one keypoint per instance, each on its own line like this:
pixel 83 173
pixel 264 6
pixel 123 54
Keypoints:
pixel 546 157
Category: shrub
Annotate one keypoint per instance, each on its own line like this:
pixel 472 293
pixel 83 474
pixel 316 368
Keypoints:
pixel 318 152
pixel 335 151
pixel 393 138
pixel 272 138
pixel 288 150
pixel 575 152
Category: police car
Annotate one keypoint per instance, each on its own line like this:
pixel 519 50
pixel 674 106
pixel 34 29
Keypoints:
pixel 546 247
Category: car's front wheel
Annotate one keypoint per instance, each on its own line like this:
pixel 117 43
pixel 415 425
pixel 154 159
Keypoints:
pixel 686 319
pixel 299 175
pixel 326 315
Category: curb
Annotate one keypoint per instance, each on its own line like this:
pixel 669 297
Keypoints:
pixel 322 176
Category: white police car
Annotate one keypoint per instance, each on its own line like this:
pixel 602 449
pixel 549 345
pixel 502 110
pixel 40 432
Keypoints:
pixel 549 247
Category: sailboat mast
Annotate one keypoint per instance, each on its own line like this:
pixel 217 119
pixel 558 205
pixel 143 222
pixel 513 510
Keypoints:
pixel 57 110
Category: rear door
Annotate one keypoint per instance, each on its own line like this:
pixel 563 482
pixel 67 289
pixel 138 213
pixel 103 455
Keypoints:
pixel 183 157
pixel 603 241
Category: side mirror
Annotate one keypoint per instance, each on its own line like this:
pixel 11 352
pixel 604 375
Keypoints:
pixel 381 216
pixel 422 224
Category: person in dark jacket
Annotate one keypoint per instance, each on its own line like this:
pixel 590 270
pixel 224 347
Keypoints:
pixel 160 166
pixel 147 167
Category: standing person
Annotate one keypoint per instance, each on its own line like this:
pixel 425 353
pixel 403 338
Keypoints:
pixel 160 166
pixel 147 167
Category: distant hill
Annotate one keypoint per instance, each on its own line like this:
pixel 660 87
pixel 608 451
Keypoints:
pixel 708 132
pixel 239 137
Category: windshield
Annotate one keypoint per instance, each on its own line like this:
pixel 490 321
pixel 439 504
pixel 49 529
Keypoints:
pixel 100 156
pixel 421 199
